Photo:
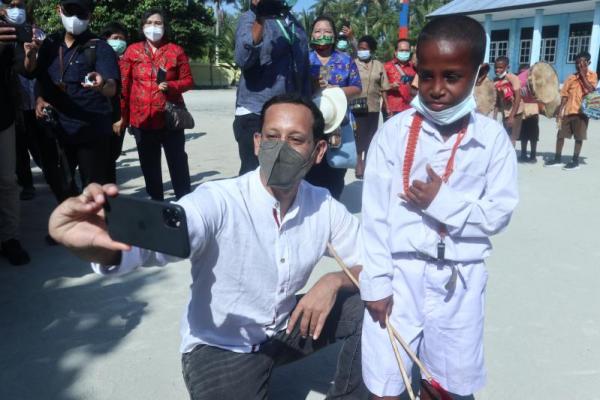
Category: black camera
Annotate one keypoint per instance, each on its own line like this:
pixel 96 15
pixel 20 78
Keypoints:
pixel 50 118
pixel 272 8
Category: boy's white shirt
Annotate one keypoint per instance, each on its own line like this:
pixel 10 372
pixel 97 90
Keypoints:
pixel 477 201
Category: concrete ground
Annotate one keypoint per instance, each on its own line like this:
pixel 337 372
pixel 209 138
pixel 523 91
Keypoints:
pixel 67 334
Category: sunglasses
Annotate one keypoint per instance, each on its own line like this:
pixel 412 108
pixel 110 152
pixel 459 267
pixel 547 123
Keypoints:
pixel 73 10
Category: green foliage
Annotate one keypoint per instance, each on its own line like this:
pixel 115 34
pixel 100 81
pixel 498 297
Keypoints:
pixel 191 24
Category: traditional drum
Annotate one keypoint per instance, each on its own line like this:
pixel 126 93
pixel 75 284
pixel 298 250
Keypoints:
pixel 485 97
pixel 539 84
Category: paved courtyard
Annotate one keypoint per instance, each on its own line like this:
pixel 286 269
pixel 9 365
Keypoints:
pixel 67 334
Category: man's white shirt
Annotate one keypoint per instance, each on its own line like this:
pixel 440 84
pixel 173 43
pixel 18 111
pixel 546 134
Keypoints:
pixel 477 201
pixel 248 263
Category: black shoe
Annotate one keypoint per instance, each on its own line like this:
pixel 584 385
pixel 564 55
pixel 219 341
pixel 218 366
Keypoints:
pixel 532 160
pixel 28 193
pixel 523 159
pixel 553 163
pixel 12 250
pixel 571 166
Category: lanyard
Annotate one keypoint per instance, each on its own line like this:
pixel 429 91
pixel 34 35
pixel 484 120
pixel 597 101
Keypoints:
pixel 409 158
pixel 63 67
pixel 285 32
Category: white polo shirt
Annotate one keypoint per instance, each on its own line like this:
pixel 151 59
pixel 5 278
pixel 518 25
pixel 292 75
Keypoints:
pixel 248 263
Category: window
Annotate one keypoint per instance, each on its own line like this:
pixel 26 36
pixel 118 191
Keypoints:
pixel 498 44
pixel 525 52
pixel 548 52
pixel 525 48
pixel 579 40
pixel 549 41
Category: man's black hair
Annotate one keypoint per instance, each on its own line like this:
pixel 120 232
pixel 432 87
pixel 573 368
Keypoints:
pixel 584 54
pixel 328 19
pixel 457 28
pixel 370 40
pixel 150 12
pixel 318 127
pixel 113 27
pixel 503 59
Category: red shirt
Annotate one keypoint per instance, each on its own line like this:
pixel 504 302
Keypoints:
pixel 143 104
pixel 399 98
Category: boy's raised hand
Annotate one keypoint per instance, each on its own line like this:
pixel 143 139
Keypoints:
pixel 421 194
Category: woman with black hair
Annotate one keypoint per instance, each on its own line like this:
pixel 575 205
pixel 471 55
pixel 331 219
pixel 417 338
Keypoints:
pixel 154 72
pixel 331 68
pixel 366 108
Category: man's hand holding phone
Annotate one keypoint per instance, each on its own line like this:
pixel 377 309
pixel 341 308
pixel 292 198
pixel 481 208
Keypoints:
pixel 79 224
pixel 94 81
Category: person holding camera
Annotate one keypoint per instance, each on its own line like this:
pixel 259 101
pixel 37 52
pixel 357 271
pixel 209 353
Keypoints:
pixel 401 72
pixel 271 49
pixel 11 61
pixel 77 76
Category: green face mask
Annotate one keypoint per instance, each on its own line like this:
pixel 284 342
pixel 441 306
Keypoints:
pixel 323 41
pixel 118 45
pixel 342 45
pixel 403 56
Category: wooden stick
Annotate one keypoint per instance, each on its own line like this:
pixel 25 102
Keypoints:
pixel 405 378
pixel 342 264
pixel 411 353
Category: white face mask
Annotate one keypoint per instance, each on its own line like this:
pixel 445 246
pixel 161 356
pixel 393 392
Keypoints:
pixel 154 33
pixel 363 54
pixel 502 75
pixel 16 15
pixel 449 115
pixel 74 25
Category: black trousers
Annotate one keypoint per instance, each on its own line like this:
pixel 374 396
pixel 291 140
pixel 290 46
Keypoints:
pixel 149 144
pixel 323 175
pixel 27 136
pixel 244 128
pixel 116 147
pixel 213 373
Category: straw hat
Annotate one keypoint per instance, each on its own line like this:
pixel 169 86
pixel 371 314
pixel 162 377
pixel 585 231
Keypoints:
pixel 333 105
pixel 543 83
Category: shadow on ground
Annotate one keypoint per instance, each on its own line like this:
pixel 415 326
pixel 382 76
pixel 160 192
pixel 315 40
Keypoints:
pixel 55 316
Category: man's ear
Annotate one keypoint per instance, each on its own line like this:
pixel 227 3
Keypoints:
pixel 321 150
pixel 483 72
pixel 257 140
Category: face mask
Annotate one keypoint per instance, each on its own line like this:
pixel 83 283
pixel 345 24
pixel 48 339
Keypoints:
pixel 342 45
pixel 363 54
pixel 16 15
pixel 118 45
pixel 449 115
pixel 282 166
pixel 154 33
pixel 322 41
pixel 74 25
pixel 502 75
pixel 403 56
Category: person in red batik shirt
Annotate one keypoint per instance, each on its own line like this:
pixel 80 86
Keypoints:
pixel 401 72
pixel 144 64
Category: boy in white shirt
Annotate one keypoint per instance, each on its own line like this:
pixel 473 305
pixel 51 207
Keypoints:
pixel 440 180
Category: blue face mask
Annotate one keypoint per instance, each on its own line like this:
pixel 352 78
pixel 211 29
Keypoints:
pixel 363 54
pixel 449 115
pixel 342 45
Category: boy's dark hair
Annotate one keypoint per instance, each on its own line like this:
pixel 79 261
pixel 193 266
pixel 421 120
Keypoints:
pixel 370 40
pixel 503 59
pixel 457 28
pixel 113 27
pixel 318 127
pixel 523 67
pixel 328 19
pixel 150 12
pixel 585 55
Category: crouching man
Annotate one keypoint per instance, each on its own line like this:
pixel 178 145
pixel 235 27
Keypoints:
pixel 255 241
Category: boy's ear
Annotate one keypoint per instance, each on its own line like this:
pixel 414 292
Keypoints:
pixel 484 70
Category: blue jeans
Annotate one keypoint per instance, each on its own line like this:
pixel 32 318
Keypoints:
pixel 213 373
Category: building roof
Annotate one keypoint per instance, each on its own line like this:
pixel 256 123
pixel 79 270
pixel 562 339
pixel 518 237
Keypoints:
pixel 470 7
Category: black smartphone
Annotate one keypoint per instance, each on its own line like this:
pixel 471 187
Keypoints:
pixel 24 33
pixel 161 75
pixel 153 225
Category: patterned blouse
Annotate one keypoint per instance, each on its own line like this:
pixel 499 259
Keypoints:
pixel 143 104
pixel 342 70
